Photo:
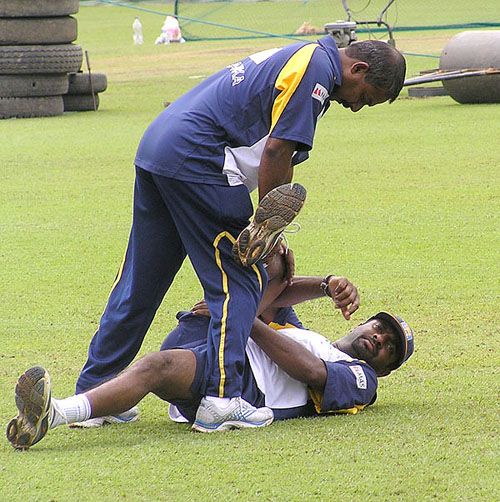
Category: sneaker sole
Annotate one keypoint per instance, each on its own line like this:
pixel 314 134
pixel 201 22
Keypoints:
pixel 111 419
pixel 88 424
pixel 275 212
pixel 107 420
pixel 230 425
pixel 33 403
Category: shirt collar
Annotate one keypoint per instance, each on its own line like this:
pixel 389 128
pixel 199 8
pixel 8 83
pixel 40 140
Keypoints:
pixel 330 47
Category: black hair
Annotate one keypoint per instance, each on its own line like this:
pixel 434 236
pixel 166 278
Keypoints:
pixel 387 65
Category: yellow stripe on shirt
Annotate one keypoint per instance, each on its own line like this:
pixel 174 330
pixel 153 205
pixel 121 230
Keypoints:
pixel 317 398
pixel 289 79
pixel 277 326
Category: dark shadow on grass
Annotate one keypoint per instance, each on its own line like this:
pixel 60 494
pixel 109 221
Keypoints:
pixel 128 435
pixel 158 431
pixel 445 102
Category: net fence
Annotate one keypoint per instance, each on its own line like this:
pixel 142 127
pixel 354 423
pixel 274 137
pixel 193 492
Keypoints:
pixel 239 19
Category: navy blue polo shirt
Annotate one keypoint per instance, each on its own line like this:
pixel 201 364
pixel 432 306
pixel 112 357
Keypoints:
pixel 215 133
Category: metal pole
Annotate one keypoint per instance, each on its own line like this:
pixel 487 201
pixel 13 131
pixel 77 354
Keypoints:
pixel 450 75
pixel 90 80
pixel 384 10
pixel 347 10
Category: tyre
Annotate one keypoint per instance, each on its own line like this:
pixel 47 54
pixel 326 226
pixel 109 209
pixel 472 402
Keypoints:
pixel 38 8
pixel 478 50
pixel 80 102
pixel 21 86
pixel 79 83
pixel 19 59
pixel 33 31
pixel 31 107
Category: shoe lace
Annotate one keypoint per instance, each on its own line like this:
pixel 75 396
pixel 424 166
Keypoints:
pixel 293 228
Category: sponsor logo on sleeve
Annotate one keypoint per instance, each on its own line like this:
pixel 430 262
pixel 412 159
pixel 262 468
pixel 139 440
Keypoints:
pixel 320 93
pixel 360 376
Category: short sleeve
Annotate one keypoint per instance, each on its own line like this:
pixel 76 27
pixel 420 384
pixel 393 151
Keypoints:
pixel 350 387
pixel 302 95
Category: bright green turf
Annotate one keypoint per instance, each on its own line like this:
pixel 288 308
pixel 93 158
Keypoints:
pixel 403 199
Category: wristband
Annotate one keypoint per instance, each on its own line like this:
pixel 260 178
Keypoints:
pixel 324 285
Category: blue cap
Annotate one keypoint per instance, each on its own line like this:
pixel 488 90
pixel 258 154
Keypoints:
pixel 405 333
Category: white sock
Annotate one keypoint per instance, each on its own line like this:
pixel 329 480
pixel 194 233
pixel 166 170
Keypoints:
pixel 70 410
pixel 220 402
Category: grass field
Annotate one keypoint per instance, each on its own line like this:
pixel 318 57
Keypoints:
pixel 402 198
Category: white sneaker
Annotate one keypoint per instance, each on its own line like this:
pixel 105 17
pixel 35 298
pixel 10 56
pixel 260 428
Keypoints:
pixel 238 414
pixel 126 417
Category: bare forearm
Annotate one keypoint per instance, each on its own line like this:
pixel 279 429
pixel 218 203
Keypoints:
pixel 297 361
pixel 276 165
pixel 343 293
pixel 302 290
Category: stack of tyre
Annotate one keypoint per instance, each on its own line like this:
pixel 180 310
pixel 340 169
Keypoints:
pixel 83 91
pixel 36 55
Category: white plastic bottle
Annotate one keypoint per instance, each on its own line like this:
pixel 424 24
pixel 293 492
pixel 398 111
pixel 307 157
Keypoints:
pixel 137 27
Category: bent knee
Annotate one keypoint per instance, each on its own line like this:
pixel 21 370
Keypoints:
pixel 169 373
pixel 153 366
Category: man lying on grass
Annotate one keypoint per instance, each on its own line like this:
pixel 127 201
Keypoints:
pixel 293 371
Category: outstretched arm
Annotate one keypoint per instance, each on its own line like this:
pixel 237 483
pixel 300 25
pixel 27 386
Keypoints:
pixel 297 361
pixel 280 293
pixel 341 290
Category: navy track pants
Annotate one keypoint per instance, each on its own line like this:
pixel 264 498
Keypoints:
pixel 173 218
